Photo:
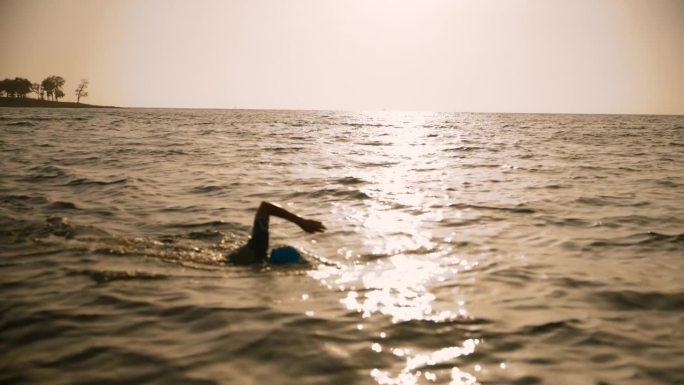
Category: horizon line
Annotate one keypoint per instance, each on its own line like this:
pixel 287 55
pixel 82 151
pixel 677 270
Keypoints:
pixel 402 110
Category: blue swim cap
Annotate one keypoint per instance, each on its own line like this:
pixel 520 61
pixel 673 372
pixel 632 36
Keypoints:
pixel 284 255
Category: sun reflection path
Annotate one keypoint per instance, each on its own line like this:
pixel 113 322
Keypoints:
pixel 399 287
pixel 403 254
pixel 398 290
pixel 412 371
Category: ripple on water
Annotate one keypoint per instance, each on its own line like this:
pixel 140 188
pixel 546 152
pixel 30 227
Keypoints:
pixel 463 248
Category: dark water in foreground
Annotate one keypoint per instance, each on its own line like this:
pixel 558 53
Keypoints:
pixel 462 248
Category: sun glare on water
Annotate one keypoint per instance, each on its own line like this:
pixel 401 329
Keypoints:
pixel 391 281
pixel 398 288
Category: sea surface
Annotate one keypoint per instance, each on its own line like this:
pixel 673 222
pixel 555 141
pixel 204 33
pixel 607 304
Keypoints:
pixel 461 248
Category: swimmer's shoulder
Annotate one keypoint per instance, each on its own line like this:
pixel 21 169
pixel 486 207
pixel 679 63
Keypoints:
pixel 243 256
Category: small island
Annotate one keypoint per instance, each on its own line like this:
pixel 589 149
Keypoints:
pixel 13 93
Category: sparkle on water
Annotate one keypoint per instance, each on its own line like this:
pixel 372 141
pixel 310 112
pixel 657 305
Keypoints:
pixel 398 286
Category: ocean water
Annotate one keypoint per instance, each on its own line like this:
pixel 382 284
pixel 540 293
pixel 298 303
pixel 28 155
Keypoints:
pixel 461 248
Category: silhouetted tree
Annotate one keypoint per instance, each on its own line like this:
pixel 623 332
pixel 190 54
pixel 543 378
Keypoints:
pixel 22 87
pixel 17 87
pixel 80 90
pixel 59 83
pixel 5 87
pixel 48 86
pixel 36 89
pixel 9 87
pixel 53 87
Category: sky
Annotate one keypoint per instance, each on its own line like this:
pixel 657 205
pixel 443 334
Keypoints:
pixel 547 56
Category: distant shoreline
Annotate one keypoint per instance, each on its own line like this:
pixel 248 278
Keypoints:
pixel 28 102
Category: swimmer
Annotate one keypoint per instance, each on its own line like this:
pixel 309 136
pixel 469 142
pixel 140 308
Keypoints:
pixel 256 249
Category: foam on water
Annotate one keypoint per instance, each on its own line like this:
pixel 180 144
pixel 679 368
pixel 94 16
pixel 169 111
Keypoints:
pixel 461 248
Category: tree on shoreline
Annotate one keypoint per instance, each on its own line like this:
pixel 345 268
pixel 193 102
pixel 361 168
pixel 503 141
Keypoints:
pixel 15 88
pixel 53 87
pixel 38 90
pixel 5 87
pixel 80 90
pixel 49 89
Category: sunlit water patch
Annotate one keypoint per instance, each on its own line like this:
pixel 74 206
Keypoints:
pixel 398 290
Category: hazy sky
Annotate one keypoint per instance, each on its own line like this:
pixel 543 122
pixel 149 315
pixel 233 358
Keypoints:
pixel 587 56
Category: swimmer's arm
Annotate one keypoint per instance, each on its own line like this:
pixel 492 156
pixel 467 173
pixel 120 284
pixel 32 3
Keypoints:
pixel 308 225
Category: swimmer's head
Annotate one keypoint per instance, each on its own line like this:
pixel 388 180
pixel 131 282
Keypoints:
pixel 284 255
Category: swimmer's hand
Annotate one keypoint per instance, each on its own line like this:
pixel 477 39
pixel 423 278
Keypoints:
pixel 311 226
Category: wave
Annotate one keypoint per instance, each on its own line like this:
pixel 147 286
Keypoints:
pixel 90 182
pixel 17 231
pixel 283 150
pixel 349 180
pixel 632 300
pixel 103 276
pixel 567 325
pixel 352 194
pixel 359 125
pixel 149 367
pixel 638 220
pixel 480 165
pixel 166 152
pixel 60 205
pixel 463 149
pixel 20 124
pixel 668 183
pixel 650 239
pixel 571 222
pixel 210 224
pixel 206 189
pixel 206 234
pixel 377 164
pixel 374 143
pixel 610 201
pixel 196 250
pixel 23 199
pixel 553 186
pixel 47 172
pixel 577 283
pixel 519 209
